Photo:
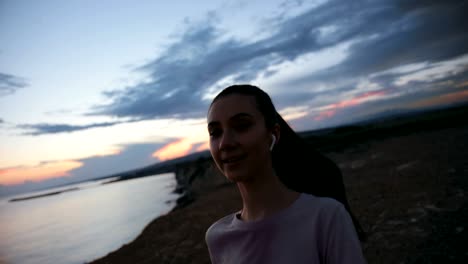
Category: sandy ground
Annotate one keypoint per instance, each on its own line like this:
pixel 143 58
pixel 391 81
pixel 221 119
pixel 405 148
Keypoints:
pixel 409 192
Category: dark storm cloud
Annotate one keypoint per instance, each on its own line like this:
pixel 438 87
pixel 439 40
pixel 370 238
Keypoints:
pixel 431 34
pixel 41 129
pixel 382 35
pixel 394 35
pixel 10 83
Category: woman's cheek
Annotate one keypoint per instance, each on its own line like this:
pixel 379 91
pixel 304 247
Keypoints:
pixel 213 151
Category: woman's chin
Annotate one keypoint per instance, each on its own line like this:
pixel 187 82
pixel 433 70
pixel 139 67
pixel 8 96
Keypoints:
pixel 235 176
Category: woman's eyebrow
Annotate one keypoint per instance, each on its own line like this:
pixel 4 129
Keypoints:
pixel 241 115
pixel 234 117
pixel 213 123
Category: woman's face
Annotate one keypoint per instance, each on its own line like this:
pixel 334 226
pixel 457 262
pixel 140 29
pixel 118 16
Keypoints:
pixel 239 139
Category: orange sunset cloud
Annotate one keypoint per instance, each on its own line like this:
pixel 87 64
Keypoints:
pixel 455 97
pixel 18 175
pixel 203 147
pixel 331 109
pixel 324 114
pixel 179 148
pixel 174 149
pixel 358 99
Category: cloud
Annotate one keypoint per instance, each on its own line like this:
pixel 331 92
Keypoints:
pixel 138 155
pixel 445 99
pixel 42 171
pixel 387 35
pixel 44 128
pixel 379 35
pixel 330 110
pixel 47 174
pixel 178 148
pixel 10 83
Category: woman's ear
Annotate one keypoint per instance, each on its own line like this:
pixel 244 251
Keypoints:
pixel 273 141
pixel 275 134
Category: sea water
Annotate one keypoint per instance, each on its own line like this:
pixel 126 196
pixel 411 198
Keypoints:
pixel 84 224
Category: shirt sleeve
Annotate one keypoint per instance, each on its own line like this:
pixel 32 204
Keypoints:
pixel 209 243
pixel 342 242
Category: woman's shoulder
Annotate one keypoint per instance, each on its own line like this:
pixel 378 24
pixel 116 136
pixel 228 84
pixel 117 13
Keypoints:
pixel 322 207
pixel 320 202
pixel 221 225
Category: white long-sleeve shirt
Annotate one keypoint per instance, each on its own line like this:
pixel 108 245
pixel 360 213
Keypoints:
pixel 311 230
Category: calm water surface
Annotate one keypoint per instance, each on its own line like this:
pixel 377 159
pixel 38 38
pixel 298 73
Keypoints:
pixel 82 225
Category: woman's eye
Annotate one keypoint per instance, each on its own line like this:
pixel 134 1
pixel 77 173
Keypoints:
pixel 215 133
pixel 242 127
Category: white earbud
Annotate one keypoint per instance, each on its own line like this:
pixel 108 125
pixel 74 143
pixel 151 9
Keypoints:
pixel 273 142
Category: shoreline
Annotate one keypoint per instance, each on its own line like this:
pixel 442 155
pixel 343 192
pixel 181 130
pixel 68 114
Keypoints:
pixel 23 198
pixel 409 193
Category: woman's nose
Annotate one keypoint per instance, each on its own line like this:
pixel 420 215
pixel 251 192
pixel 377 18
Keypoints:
pixel 227 141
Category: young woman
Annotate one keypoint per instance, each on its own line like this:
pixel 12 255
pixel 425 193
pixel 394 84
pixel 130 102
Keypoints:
pixel 294 203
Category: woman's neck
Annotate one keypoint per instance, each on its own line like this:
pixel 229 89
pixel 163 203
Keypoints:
pixel 264 197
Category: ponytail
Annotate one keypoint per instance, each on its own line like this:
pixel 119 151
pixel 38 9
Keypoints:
pixel 303 169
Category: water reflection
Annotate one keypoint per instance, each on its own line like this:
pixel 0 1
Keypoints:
pixel 78 226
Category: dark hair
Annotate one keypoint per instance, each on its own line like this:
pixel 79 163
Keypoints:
pixel 299 167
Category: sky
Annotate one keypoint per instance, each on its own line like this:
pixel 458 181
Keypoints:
pixel 91 88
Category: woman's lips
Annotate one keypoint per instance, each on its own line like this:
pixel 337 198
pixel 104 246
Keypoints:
pixel 233 160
